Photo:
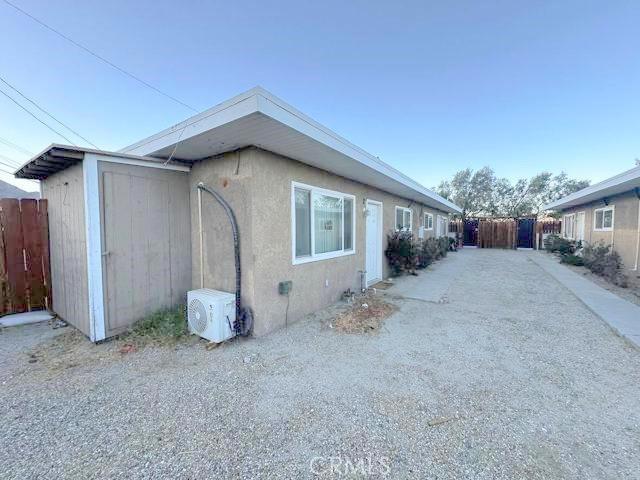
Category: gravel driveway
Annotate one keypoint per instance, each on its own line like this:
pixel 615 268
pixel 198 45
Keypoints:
pixel 507 376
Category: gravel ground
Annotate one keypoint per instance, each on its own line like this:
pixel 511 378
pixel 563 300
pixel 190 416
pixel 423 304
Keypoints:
pixel 512 377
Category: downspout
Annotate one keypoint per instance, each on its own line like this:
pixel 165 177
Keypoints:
pixel 244 316
pixel 201 239
pixel 637 190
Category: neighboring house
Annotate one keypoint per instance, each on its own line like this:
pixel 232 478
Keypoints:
pixel 607 212
pixel 11 191
pixel 312 208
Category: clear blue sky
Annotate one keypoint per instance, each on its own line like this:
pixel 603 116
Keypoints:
pixel 430 87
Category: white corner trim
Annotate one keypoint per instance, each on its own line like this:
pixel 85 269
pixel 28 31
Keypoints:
pixel 97 330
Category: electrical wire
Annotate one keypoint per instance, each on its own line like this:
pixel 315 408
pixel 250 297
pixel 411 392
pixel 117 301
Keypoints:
pixel 34 116
pixel 47 113
pixel 9 143
pixel 8 165
pixel 17 164
pixel 99 57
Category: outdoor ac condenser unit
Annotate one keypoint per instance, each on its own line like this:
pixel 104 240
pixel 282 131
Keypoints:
pixel 211 314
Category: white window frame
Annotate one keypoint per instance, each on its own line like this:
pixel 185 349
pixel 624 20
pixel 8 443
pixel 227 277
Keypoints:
pixel 613 218
pixel 314 257
pixel 566 219
pixel 426 223
pixel 395 217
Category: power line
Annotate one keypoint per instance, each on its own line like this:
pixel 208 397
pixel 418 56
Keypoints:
pixel 99 57
pixel 47 113
pixel 30 113
pixel 10 166
pixel 15 146
pixel 10 160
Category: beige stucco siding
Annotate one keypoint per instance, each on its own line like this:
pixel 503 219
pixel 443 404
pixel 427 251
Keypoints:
pixel 67 237
pixel 231 176
pixel 624 237
pixel 257 184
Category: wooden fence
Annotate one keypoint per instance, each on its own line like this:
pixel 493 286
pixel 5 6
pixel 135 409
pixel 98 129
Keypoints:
pixel 500 232
pixel 25 277
pixel 497 233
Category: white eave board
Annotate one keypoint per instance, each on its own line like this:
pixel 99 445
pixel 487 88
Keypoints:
pixel 624 182
pixel 259 118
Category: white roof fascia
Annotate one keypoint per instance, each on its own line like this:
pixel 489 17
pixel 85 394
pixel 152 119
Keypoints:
pixel 610 186
pixel 258 100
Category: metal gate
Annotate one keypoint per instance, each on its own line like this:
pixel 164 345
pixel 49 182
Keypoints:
pixel 526 232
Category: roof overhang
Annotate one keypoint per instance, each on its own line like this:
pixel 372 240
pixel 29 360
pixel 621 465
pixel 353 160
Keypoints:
pixel 624 182
pixel 57 157
pixel 258 118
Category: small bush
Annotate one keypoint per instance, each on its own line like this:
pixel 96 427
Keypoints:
pixel 443 246
pixel 453 245
pixel 160 326
pixel 562 246
pixel 402 252
pixel 606 263
pixel 572 259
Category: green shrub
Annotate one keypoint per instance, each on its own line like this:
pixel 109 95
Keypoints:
pixel 453 244
pixel 161 326
pixel 572 259
pixel 562 246
pixel 402 252
pixel 606 263
pixel 443 246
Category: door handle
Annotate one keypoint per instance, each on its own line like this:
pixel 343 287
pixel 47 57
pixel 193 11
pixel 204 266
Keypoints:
pixel 106 254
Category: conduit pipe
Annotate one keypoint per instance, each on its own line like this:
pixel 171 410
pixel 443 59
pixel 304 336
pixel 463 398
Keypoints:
pixel 244 316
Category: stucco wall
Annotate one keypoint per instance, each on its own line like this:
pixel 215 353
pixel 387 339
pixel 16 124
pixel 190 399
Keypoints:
pixel 624 236
pixel 67 237
pixel 231 176
pixel 315 284
pixel 257 184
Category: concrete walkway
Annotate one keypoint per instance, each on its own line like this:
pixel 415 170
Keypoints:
pixel 621 315
pixel 432 284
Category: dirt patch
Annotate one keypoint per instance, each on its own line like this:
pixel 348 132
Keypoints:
pixel 366 314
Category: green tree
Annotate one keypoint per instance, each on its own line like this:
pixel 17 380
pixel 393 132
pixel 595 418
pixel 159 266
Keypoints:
pixel 481 193
pixel 471 191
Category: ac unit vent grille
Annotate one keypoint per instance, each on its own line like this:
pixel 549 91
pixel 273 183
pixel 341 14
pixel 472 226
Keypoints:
pixel 197 316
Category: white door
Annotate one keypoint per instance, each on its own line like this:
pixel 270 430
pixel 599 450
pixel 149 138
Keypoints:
pixel 580 226
pixel 374 242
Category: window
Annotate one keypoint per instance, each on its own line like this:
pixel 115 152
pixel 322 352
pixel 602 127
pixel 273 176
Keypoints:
pixel 428 221
pixel 323 223
pixel 568 225
pixel 603 219
pixel 404 219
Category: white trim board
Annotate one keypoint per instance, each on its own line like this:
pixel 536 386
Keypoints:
pixel 97 330
pixel 348 160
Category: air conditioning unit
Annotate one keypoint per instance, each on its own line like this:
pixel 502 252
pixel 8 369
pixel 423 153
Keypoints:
pixel 211 314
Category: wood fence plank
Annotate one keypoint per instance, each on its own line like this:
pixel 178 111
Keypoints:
pixel 43 228
pixel 11 222
pixel 33 254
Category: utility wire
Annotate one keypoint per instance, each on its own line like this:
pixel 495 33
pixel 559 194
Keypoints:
pixel 15 146
pixel 47 113
pixel 30 113
pixel 99 57
pixel 8 165
pixel 11 160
